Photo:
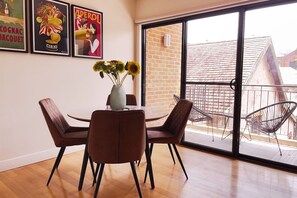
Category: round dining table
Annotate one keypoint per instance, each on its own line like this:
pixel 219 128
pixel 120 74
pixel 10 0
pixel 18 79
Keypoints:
pixel 151 113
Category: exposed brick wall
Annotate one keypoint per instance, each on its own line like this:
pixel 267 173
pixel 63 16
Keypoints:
pixel 284 61
pixel 163 66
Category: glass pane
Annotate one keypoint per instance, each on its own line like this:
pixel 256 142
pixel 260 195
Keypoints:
pixel 212 48
pixel 163 67
pixel 270 77
pixel 211 62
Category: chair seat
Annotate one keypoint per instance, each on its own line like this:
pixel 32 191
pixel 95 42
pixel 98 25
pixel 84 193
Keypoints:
pixel 71 139
pixel 76 129
pixel 156 135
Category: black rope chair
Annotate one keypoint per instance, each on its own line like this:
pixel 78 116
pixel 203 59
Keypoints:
pixel 197 115
pixel 270 118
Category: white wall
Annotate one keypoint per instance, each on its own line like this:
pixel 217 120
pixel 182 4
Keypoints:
pixel 154 9
pixel 26 78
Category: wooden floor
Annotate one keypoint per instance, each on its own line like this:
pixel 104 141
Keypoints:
pixel 210 176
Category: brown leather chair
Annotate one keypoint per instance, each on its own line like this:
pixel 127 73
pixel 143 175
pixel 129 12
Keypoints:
pixel 117 137
pixel 62 133
pixel 130 100
pixel 172 131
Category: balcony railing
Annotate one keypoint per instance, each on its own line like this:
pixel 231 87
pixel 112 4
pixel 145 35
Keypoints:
pixel 219 100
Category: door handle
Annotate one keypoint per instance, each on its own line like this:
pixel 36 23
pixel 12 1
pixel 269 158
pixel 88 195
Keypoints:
pixel 232 84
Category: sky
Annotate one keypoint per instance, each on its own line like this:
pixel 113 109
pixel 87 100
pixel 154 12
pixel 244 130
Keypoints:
pixel 279 22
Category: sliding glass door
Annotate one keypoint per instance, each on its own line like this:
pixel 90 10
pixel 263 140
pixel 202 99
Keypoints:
pixel 230 64
pixel 210 68
pixel 270 77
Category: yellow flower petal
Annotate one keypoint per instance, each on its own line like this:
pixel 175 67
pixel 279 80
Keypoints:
pixel 133 68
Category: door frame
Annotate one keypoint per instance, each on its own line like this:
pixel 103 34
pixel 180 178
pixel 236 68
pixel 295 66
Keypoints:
pixel 238 76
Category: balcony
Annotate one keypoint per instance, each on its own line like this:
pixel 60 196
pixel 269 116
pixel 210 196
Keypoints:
pixel 217 100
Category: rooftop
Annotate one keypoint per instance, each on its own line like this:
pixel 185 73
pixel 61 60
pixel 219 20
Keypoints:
pixel 216 57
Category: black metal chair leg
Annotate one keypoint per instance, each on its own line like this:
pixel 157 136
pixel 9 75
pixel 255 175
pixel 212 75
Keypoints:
pixel 99 180
pixel 95 174
pixel 179 159
pixel 56 164
pixel 212 130
pixel 147 168
pixel 136 178
pixel 138 162
pixel 243 135
pixel 59 158
pixel 169 146
pixel 280 152
pixel 92 165
pixel 83 169
pixel 226 122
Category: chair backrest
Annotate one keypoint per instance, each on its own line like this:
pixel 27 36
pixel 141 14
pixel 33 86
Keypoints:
pixel 117 136
pixel 196 114
pixel 56 122
pixel 270 118
pixel 130 100
pixel 177 119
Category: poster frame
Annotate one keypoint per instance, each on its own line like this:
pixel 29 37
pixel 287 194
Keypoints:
pixel 16 32
pixel 79 42
pixel 43 42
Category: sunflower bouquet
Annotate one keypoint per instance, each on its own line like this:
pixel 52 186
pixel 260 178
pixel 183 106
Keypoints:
pixel 114 68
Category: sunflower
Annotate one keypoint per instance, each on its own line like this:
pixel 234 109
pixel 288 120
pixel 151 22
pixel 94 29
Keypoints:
pixel 133 68
pixel 119 66
pixel 114 68
pixel 98 66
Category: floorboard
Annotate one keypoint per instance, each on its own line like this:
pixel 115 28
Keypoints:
pixel 209 176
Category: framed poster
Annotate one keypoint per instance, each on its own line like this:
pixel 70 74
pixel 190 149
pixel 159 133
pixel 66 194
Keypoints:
pixel 13 26
pixel 50 27
pixel 87 26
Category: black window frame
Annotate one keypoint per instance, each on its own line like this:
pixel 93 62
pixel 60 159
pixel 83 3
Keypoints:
pixel 237 111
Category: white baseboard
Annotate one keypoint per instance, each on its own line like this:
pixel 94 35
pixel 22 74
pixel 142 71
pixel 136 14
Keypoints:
pixel 34 157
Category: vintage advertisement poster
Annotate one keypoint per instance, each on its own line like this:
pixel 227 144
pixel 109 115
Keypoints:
pixel 87 34
pixel 50 27
pixel 13 25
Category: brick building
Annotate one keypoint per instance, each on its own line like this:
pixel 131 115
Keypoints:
pixel 289 60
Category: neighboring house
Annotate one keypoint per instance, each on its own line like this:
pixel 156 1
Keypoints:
pixel 289 60
pixel 289 76
pixel 215 62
